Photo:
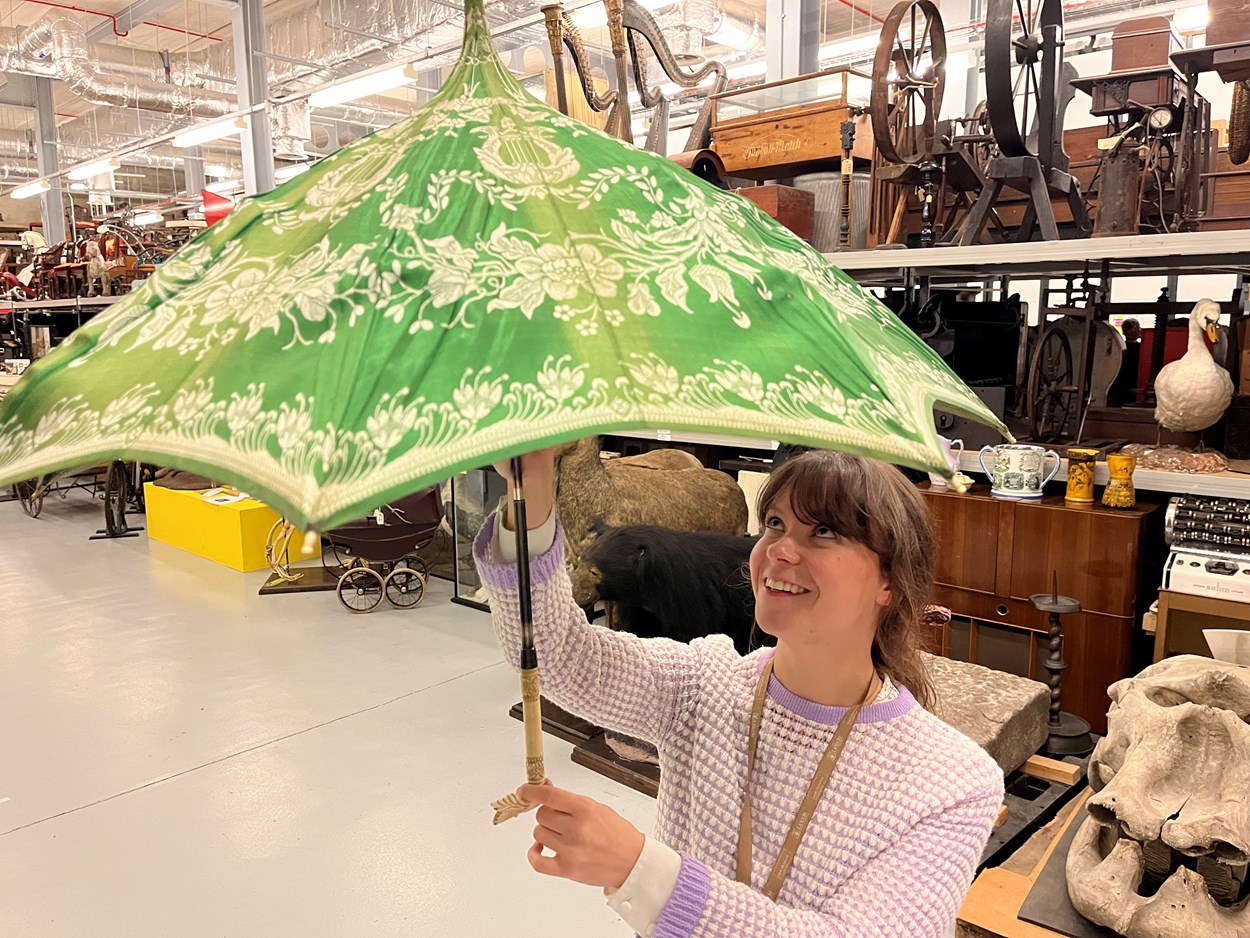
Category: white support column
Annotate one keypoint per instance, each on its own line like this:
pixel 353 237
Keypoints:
pixel 193 171
pixel 252 83
pixel 52 207
pixel 791 38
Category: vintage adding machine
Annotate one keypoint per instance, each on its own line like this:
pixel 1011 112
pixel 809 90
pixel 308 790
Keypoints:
pixel 1210 547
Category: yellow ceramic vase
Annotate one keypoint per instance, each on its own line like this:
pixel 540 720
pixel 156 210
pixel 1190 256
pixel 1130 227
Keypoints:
pixel 1080 488
pixel 1119 492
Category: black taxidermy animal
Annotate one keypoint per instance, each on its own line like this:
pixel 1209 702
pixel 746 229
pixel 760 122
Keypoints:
pixel 676 584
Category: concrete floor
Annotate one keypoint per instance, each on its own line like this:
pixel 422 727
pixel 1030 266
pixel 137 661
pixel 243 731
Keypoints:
pixel 181 757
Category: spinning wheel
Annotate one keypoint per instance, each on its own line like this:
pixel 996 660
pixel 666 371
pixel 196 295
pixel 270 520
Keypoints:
pixel 405 588
pixel 360 589
pixel 116 492
pixel 908 78
pixel 30 496
pixel 119 493
pixel 1052 388
pixel 1016 60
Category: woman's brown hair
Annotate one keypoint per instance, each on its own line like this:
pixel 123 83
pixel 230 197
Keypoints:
pixel 871 502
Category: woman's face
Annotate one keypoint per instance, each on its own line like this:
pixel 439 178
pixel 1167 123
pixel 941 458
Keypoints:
pixel 812 585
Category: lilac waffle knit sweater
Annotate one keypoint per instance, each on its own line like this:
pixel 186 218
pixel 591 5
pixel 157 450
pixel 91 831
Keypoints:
pixel 893 846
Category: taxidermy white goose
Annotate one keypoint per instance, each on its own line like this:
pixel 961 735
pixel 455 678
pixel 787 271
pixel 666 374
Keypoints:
pixel 1193 393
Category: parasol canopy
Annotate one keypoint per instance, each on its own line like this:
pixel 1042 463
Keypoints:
pixel 482 279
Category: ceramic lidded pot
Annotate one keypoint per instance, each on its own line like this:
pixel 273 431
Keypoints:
pixel 1081 476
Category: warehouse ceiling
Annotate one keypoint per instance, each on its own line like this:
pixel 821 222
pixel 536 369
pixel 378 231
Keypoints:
pixel 124 72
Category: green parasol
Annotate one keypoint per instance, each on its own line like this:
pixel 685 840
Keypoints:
pixel 482 279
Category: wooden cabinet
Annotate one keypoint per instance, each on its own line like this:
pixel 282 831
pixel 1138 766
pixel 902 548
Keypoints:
pixel 995 553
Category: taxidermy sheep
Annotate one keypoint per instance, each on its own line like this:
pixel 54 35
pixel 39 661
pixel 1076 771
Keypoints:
pixel 676 584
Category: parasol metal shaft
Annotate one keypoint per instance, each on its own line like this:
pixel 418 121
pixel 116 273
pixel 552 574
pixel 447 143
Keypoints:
pixel 511 806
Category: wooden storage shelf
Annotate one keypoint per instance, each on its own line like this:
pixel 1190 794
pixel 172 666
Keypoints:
pixel 995 553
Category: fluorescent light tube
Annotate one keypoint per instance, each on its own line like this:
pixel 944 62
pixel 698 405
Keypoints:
pixel 89 170
pixel 363 86
pixel 204 133
pixel 148 218
pixel 38 187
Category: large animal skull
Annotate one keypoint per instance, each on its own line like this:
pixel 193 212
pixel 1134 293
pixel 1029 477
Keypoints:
pixel 1164 850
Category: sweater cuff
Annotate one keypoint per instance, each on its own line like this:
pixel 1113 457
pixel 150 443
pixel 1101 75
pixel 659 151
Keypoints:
pixel 646 891
pixel 689 900
pixel 539 539
pixel 502 575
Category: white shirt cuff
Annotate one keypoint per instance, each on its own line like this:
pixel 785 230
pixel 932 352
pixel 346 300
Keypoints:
pixel 504 542
pixel 646 891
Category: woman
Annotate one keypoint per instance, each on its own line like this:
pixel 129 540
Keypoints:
pixel 892 838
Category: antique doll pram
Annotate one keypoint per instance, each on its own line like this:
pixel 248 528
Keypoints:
pixel 377 553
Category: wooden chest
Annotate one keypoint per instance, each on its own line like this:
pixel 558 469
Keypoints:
pixel 789 127
pixel 1146 42
pixel 793 208
pixel 1228 21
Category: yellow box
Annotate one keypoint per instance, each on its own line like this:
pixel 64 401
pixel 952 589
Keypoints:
pixel 232 534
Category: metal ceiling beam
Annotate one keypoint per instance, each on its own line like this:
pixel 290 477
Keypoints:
pixel 127 19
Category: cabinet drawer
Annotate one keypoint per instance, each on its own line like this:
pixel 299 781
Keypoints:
pixel 987 606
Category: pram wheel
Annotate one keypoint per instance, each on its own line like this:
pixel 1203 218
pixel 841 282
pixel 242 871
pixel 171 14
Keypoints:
pixel 405 588
pixel 413 562
pixel 360 589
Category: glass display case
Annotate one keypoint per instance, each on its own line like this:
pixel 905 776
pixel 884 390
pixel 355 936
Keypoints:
pixel 474 495
pixel 792 126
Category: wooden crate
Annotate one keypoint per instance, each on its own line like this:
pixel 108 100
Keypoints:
pixel 1145 42
pixel 1228 196
pixel 793 208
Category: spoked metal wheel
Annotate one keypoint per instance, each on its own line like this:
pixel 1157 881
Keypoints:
pixel 413 562
pixel 360 589
pixel 1052 388
pixel 908 78
pixel 1015 58
pixel 405 588
pixel 30 496
pixel 116 494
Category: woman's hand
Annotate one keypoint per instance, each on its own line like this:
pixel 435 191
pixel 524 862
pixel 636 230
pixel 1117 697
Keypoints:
pixel 538 471
pixel 591 842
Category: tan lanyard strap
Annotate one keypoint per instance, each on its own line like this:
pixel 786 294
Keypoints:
pixel 815 790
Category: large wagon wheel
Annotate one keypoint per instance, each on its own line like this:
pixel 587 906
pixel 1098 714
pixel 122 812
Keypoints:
pixel 908 79
pixel 1015 57
pixel 30 496
pixel 1239 124
pixel 1052 387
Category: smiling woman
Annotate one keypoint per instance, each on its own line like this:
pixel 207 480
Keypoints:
pixel 805 792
